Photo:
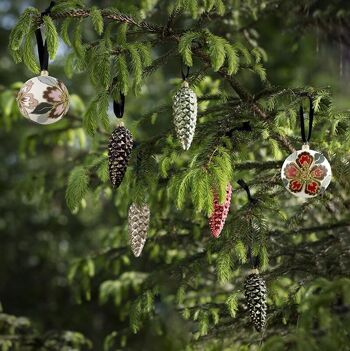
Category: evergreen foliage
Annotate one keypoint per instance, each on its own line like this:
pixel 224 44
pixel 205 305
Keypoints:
pixel 186 291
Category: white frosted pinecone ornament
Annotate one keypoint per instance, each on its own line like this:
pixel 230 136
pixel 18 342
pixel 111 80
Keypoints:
pixel 255 294
pixel 138 222
pixel 185 114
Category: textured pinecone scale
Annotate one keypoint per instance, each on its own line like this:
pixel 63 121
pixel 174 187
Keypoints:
pixel 119 151
pixel 185 114
pixel 255 294
pixel 138 222
pixel 218 218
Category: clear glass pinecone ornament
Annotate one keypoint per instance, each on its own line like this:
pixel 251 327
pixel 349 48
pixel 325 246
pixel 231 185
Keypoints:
pixel 218 218
pixel 255 294
pixel 119 151
pixel 185 114
pixel 138 222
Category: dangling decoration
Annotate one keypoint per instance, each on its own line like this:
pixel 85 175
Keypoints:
pixel 306 173
pixel 43 99
pixel 255 294
pixel 218 218
pixel 138 222
pixel 119 148
pixel 185 113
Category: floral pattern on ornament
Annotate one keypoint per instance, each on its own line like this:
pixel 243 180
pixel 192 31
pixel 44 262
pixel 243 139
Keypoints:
pixel 58 96
pixel 303 174
pixel 26 100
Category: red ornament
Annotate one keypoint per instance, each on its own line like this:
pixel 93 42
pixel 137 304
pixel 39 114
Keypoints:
pixel 218 218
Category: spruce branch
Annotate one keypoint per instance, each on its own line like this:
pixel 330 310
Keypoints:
pixel 111 15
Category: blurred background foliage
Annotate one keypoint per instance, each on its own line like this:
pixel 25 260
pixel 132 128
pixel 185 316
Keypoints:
pixel 45 247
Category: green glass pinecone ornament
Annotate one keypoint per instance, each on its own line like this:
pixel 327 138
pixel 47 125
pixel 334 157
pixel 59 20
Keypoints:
pixel 185 114
pixel 138 222
pixel 119 151
pixel 255 294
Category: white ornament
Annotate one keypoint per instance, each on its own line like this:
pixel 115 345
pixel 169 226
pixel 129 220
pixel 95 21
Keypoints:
pixel 306 173
pixel 185 114
pixel 43 99
pixel 138 222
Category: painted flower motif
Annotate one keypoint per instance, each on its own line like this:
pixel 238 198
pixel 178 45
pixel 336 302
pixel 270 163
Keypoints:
pixel 26 100
pixel 58 96
pixel 304 174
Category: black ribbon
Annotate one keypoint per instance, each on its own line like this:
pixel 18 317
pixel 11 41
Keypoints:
pixel 245 127
pixel 42 51
pixel 245 186
pixel 42 46
pixel 183 74
pixel 118 107
pixel 302 122
pixel 254 260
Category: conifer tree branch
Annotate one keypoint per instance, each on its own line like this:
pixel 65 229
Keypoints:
pixel 249 99
pixel 111 15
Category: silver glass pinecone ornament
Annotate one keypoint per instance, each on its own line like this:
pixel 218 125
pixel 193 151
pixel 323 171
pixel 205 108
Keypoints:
pixel 119 151
pixel 255 294
pixel 138 221
pixel 185 114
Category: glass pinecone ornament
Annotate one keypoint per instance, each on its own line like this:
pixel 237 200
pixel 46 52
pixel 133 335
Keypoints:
pixel 306 173
pixel 218 218
pixel 138 222
pixel 43 99
pixel 185 114
pixel 119 151
pixel 255 294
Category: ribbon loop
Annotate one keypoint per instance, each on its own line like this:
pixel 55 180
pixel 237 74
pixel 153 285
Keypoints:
pixel 118 107
pixel 42 51
pixel 42 46
pixel 254 260
pixel 302 121
pixel 185 75
pixel 245 186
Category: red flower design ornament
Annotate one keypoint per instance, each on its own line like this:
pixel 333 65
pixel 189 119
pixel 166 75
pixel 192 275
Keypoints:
pixel 306 173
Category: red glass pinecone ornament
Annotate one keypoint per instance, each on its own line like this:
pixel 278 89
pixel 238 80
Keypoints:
pixel 119 151
pixel 218 218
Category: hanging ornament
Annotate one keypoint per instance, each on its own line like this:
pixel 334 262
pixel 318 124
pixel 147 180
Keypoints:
pixel 185 113
pixel 138 222
pixel 218 218
pixel 43 99
pixel 306 173
pixel 255 294
pixel 119 151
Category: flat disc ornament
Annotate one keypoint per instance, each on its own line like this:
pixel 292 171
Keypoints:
pixel 306 173
pixel 43 99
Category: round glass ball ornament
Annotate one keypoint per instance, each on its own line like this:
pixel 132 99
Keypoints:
pixel 306 173
pixel 43 99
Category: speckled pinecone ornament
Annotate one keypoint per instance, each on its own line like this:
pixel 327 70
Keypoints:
pixel 255 294
pixel 119 151
pixel 185 114
pixel 218 218
pixel 138 221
